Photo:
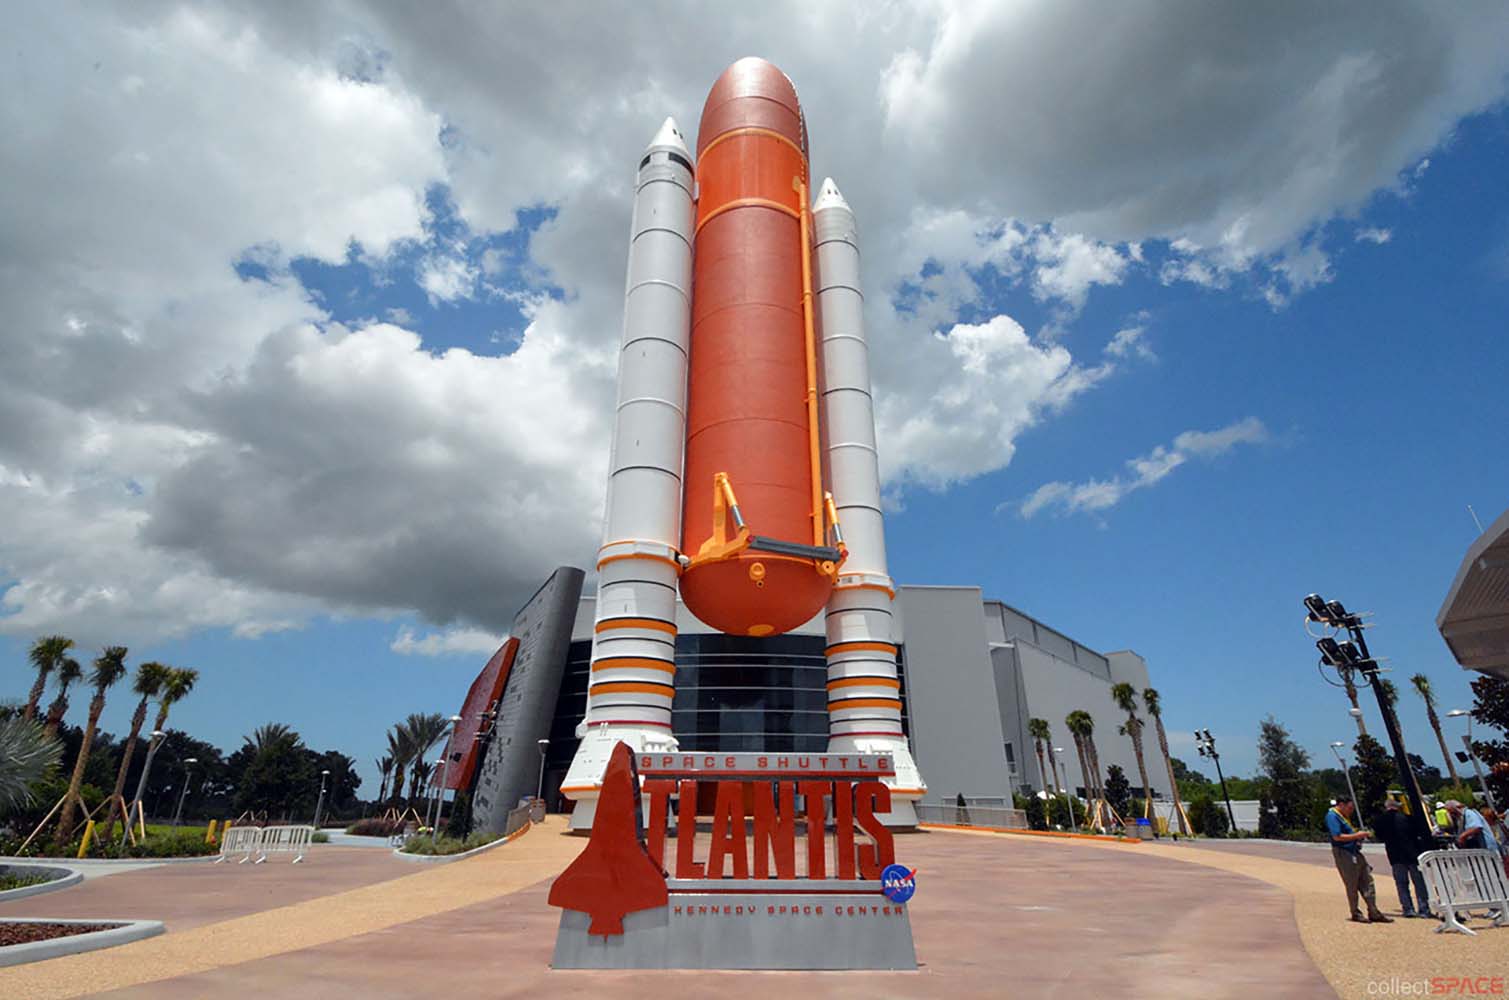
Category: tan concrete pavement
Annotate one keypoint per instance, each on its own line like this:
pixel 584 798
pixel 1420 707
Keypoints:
pixel 992 918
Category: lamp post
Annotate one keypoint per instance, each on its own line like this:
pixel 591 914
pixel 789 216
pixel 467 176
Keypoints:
pixel 1336 749
pixel 445 770
pixel 188 770
pixel 539 792
pixel 1063 769
pixel 1206 744
pixel 1461 713
pixel 319 805
pixel 1354 655
pixel 157 736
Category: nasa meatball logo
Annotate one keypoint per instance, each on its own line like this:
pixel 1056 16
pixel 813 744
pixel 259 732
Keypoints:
pixel 898 882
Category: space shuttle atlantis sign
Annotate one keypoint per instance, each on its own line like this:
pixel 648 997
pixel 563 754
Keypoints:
pixel 765 887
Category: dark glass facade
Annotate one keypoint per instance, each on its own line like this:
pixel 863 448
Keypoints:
pixel 733 693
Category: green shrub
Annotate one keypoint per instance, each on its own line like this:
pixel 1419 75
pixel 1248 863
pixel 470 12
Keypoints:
pixel 443 845
pixel 376 826
pixel 18 881
pixel 1446 793
pixel 1208 817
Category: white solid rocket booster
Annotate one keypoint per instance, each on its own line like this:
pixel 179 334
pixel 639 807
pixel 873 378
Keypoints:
pixel 634 636
pixel 864 701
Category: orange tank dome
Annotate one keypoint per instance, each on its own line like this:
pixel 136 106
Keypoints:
pixel 752 92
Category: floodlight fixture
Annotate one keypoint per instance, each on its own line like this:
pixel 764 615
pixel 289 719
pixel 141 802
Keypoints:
pixel 1316 605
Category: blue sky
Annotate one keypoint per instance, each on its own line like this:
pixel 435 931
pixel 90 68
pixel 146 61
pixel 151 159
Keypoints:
pixel 316 436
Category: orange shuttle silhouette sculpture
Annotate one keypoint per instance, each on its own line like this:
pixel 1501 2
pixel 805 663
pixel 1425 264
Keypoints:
pixel 615 875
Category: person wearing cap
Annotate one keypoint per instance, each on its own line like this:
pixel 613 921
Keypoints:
pixel 1394 829
pixel 1472 827
pixel 1346 851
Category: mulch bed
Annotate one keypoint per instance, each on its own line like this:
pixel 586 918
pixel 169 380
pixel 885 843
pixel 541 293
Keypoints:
pixel 41 931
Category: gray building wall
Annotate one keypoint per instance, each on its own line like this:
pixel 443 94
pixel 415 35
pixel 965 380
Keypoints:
pixel 1042 673
pixel 976 671
pixel 951 694
pixel 510 768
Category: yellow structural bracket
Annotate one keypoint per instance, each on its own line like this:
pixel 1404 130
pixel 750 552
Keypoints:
pixel 723 545
pixel 834 532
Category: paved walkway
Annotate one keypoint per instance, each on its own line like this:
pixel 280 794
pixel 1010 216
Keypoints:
pixel 995 915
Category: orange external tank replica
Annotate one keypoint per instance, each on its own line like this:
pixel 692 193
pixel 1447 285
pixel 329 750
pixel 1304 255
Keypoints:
pixel 757 526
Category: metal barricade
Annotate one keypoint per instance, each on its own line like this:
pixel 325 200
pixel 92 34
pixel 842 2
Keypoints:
pixel 1464 881
pixel 242 840
pixel 985 816
pixel 518 818
pixel 293 840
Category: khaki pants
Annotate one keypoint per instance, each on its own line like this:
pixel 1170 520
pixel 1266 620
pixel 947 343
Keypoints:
pixel 1357 876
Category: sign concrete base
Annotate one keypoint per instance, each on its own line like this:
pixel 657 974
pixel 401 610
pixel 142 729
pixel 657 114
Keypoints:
pixel 747 928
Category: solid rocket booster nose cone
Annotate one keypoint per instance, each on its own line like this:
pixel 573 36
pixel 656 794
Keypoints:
pixel 670 136
pixel 828 196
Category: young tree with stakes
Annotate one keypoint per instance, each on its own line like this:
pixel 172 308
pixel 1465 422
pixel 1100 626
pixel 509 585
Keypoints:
pixel 109 667
pixel 1125 697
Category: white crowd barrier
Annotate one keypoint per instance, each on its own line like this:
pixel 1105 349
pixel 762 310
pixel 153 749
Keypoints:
pixel 255 843
pixel 1464 881
pixel 293 840
pixel 239 840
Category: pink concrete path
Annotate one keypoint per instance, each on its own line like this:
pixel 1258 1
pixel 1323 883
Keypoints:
pixel 993 917
pixel 192 894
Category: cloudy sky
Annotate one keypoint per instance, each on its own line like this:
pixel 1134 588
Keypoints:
pixel 1178 312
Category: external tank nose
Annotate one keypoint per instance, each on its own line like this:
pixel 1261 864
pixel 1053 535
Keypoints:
pixel 752 92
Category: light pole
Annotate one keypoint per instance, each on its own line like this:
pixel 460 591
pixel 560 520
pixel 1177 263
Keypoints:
pixel 1460 713
pixel 540 788
pixel 157 736
pixel 187 771
pixel 1346 771
pixel 1206 744
pixel 1063 769
pixel 319 805
pixel 445 770
pixel 1354 655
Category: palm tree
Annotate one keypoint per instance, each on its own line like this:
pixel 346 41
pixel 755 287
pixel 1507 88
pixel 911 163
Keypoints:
pixel 1094 751
pixel 270 733
pixel 109 667
pixel 401 750
pixel 1071 724
pixel 1040 733
pixel 384 768
pixel 1155 709
pixel 148 682
pixel 1422 685
pixel 1349 681
pixel 1082 725
pixel 68 672
pixel 45 655
pixel 177 682
pixel 27 755
pixel 424 730
pixel 1125 697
